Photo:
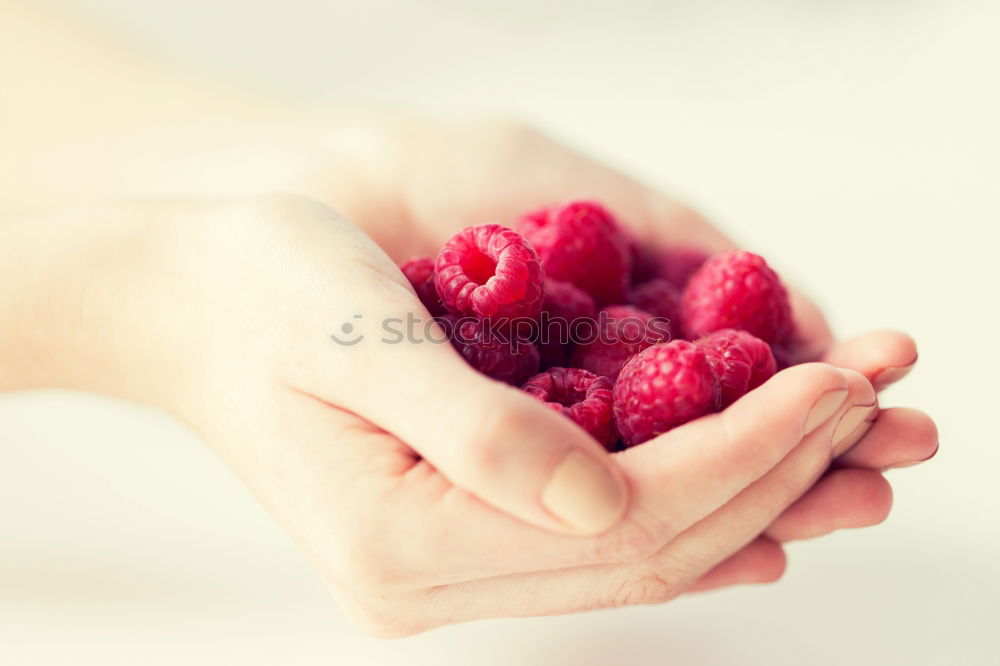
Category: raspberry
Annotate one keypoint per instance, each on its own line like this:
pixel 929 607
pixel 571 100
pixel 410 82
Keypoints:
pixel 740 361
pixel 498 354
pixel 581 243
pixel 565 308
pixel 737 290
pixel 420 272
pixel 622 331
pixel 659 298
pixel 566 301
pixel 491 272
pixel 582 396
pixel 663 387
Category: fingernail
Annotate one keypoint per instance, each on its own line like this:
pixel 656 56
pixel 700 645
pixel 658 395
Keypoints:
pixel 825 407
pixel 850 422
pixel 911 463
pixel 583 494
pixel 891 375
pixel 853 438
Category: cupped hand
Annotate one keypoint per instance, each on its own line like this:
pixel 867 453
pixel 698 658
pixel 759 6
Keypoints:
pixel 440 176
pixel 409 185
pixel 428 494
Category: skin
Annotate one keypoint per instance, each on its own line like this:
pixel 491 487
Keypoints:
pixel 417 486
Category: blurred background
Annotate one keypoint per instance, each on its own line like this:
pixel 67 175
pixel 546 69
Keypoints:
pixel 855 144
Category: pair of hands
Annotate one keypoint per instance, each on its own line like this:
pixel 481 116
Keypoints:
pixel 426 493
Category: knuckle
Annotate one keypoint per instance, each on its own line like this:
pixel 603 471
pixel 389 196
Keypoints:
pixel 484 436
pixel 497 426
pixel 277 219
pixel 632 542
pixel 647 585
pixel 286 207
pixel 287 227
pixel 788 484
pixel 817 374
pixel 859 385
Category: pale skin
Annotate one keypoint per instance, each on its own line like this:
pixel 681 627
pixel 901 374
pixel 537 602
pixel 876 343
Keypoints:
pixel 425 493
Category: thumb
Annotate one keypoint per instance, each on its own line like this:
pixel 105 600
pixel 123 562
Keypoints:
pixel 485 437
pixel 500 444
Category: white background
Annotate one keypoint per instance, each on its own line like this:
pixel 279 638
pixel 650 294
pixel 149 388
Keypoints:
pixel 855 144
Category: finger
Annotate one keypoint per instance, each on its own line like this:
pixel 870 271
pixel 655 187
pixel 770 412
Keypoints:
pixel 760 561
pixel 883 357
pixel 491 439
pixel 672 569
pixel 899 437
pixel 675 479
pixel 757 507
pixel 855 424
pixel 385 361
pixel 374 515
pixel 843 498
pixel 712 459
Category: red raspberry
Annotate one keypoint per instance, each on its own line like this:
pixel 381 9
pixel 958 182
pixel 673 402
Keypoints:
pixel 420 272
pixel 659 298
pixel 581 243
pixel 564 308
pixel 741 361
pixel 622 331
pixel 564 300
pixel 498 354
pixel 737 290
pixel 582 396
pixel 491 272
pixel 663 387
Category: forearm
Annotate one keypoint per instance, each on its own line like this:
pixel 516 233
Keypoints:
pixel 89 294
pixel 89 300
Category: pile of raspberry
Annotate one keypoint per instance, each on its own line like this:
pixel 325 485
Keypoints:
pixel 625 340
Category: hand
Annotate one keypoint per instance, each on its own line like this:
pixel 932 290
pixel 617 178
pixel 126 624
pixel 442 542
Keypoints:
pixel 411 183
pixel 213 311
pixel 439 177
pixel 426 493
